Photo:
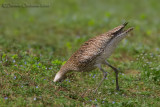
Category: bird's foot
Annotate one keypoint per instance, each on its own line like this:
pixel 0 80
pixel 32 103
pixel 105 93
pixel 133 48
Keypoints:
pixel 117 89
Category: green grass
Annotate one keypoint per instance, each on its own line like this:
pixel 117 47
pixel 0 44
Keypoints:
pixel 35 42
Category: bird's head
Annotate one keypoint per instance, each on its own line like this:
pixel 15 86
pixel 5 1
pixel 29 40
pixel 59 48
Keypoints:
pixel 59 77
pixel 61 74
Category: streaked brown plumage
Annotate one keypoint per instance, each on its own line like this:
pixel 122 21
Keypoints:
pixel 94 52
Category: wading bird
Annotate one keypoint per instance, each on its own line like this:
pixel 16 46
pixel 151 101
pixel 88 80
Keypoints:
pixel 93 54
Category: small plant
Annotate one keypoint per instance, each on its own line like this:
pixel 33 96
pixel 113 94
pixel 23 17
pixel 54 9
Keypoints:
pixel 149 66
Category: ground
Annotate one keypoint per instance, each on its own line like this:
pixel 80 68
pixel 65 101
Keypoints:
pixel 35 42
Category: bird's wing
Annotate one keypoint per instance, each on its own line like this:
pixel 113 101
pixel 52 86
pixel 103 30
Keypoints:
pixel 89 50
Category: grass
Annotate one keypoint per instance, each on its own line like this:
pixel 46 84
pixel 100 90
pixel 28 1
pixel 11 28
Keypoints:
pixel 35 42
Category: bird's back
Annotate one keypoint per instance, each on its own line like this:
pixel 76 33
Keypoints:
pixel 85 58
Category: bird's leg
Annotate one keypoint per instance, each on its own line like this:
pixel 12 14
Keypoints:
pixel 116 71
pixel 104 76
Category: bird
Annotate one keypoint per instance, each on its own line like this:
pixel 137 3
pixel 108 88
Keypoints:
pixel 94 53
